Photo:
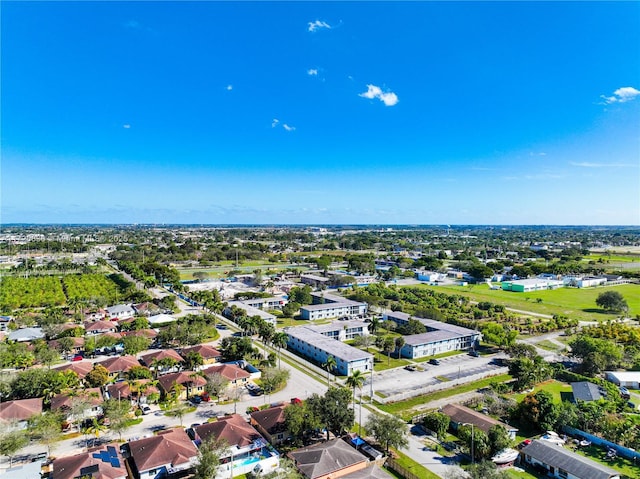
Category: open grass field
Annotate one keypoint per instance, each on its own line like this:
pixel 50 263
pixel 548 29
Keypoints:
pixel 559 390
pixel 405 408
pixel 571 302
pixel 223 267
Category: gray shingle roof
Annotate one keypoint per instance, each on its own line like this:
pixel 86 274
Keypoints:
pixel 326 458
pixel 586 391
pixel 559 457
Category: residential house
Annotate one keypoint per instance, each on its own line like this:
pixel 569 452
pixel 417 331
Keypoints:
pixel 192 384
pixel 586 391
pixel 329 460
pixel 158 361
pixel 166 453
pixel 248 450
pixel 77 347
pixel 15 414
pixel 25 334
pixel 371 472
pixel 209 354
pixel 91 398
pixel 120 312
pixel 564 464
pixel 270 423
pixel 162 318
pixel 119 366
pixel 230 371
pixel 95 315
pixel 81 368
pixel 104 462
pixel 138 389
pixel 461 415
pixel 4 323
pixel 100 327
pixel 143 333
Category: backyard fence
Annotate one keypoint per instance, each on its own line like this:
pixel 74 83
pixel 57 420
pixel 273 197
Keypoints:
pixel 621 450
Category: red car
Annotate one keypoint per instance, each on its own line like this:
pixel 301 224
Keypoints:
pixel 77 357
pixel 296 401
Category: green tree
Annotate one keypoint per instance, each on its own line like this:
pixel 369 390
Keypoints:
pixel 537 410
pixel 209 455
pixel 135 344
pixel 356 380
pixel 330 364
pixel 139 372
pixel 216 384
pixel 498 439
pixel 192 360
pixel 612 301
pixel 117 412
pixel 388 346
pixel 388 430
pixel 480 470
pixel 290 309
pixel 300 419
pixel 437 422
pixel 98 376
pixel 12 442
pixel 280 340
pixel 273 379
pixel 596 354
pixel 46 428
pixel 333 410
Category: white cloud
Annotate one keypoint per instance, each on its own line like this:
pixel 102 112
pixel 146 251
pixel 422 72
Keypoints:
pixel 275 122
pixel 312 72
pixel 229 87
pixel 388 98
pixel 313 26
pixel 132 24
pixel 586 164
pixel 127 126
pixel 621 95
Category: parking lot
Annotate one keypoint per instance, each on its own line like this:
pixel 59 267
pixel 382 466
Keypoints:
pixel 394 381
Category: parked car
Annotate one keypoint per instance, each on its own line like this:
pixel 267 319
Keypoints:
pixel 474 353
pixel 624 392
pixel 146 409
pixel 77 357
pixel 195 399
pixel 434 361
pixel 411 367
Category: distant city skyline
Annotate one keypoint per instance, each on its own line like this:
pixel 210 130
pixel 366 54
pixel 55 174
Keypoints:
pixel 416 113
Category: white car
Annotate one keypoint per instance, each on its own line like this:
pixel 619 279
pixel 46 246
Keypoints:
pixel 145 409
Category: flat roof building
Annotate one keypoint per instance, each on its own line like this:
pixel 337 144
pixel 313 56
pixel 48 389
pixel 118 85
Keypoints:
pixel 318 347
pixel 326 305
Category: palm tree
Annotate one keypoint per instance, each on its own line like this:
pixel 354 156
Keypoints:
pixel 374 324
pixel 356 380
pixel 399 343
pixel 94 428
pixel 330 365
pixel 280 340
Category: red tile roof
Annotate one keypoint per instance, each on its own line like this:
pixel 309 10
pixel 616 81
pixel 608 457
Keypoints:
pixel 20 409
pixel 233 429
pixel 167 447
pixel 119 364
pixel 69 467
pixel 229 371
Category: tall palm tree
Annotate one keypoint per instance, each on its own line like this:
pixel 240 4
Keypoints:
pixel 330 365
pixel 374 324
pixel 280 340
pixel 356 380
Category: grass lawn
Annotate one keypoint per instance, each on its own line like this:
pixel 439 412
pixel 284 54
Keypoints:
pixel 414 467
pixel 549 346
pixel 556 388
pixel 405 408
pixel 572 302
pixel 439 356
pixel 381 363
pixel 523 474
pixel 599 454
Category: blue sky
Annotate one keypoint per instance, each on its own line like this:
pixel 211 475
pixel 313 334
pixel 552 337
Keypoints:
pixel 321 112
